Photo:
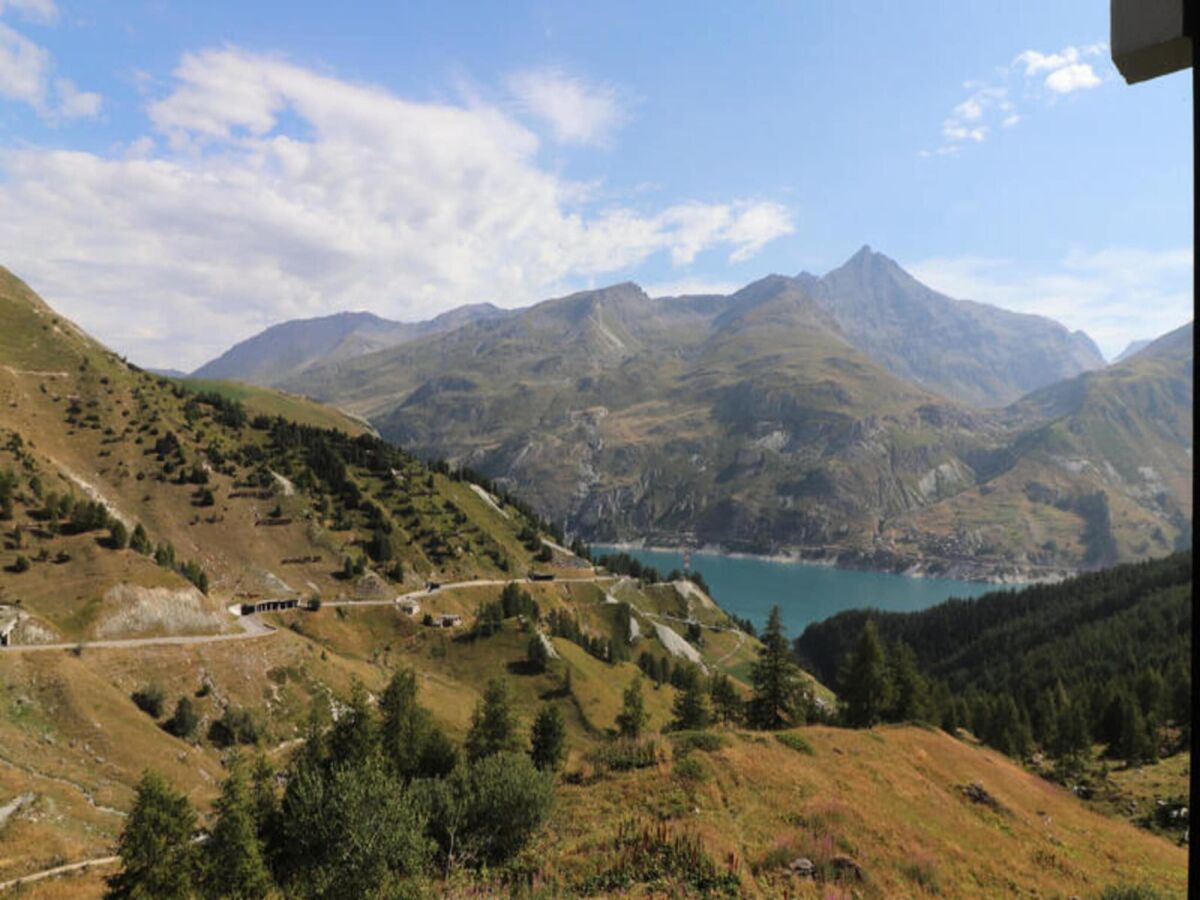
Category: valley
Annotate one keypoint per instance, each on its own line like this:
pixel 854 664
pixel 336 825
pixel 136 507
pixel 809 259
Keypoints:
pixel 818 418
pixel 142 515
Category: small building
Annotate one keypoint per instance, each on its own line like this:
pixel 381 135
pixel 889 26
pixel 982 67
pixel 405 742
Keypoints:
pixel 408 607
pixel 447 620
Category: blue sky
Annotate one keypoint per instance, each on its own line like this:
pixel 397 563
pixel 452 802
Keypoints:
pixel 177 176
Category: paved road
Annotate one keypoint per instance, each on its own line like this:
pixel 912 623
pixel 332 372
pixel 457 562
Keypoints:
pixel 252 627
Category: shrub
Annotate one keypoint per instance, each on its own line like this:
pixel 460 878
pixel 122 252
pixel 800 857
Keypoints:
pixel 669 863
pixel 697 740
pixel 183 721
pixel 149 699
pixel 795 742
pixel 484 813
pixel 624 754
pixel 690 769
pixel 1131 892
pixel 236 726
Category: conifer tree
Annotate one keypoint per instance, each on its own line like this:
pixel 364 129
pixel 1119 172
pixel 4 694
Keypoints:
pixel 727 704
pixel 774 703
pixel 355 734
pixel 233 854
pixel 632 719
pixel 536 653
pixel 910 695
pixel 866 687
pixel 692 710
pixel 549 739
pixel 493 725
pixel 158 857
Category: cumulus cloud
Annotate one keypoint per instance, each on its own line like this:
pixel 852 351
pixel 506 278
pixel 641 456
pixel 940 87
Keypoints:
pixel 1117 294
pixel 1031 78
pixel 25 76
pixel 576 111
pixel 274 192
pixel 44 11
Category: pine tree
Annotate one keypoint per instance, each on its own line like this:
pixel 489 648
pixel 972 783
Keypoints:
pixel 549 739
pixel 910 697
pixel 866 688
pixel 774 679
pixel 355 734
pixel 118 535
pixel 536 653
pixel 158 857
pixel 691 709
pixel 632 719
pixel 233 855
pixel 493 725
pixel 184 720
pixel 727 704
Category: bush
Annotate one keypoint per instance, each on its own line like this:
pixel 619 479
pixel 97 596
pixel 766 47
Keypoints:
pixel 236 726
pixel 21 564
pixel 1131 892
pixel 690 769
pixel 624 754
pixel 149 699
pixel 795 742
pixel 183 721
pixel 484 813
pixel 653 856
pixel 697 740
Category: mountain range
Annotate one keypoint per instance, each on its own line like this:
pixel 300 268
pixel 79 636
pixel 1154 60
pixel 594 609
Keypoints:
pixel 144 517
pixel 859 416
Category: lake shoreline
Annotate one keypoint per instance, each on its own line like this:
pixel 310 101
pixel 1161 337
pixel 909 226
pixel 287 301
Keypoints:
pixel 1010 574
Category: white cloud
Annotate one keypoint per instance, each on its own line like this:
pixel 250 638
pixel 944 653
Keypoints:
pixel 23 67
pixel 996 102
pixel 74 103
pixel 1116 295
pixel 1072 78
pixel 577 111
pixel 280 192
pixel 35 10
pixel 25 70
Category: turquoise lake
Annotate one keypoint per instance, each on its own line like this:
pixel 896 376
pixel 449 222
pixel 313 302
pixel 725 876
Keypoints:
pixel 749 587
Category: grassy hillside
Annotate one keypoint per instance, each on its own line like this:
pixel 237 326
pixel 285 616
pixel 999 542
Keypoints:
pixel 1089 681
pixel 237 502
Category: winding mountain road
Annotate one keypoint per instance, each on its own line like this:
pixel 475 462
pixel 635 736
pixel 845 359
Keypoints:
pixel 253 627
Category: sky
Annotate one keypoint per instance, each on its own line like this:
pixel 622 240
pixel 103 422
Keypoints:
pixel 177 176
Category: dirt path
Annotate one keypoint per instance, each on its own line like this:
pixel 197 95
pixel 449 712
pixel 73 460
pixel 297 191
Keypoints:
pixel 58 870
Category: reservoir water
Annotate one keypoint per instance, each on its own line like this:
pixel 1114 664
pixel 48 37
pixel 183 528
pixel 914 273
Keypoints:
pixel 749 587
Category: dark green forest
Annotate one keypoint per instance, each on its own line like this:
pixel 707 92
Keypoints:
pixel 1101 658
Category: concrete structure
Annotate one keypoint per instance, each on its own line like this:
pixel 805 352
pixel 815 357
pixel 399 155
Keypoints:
pixel 1150 38
pixel 269 606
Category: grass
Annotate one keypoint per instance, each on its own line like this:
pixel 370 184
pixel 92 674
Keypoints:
pixel 267 402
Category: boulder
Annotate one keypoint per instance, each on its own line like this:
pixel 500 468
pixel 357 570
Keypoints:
pixel 803 867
